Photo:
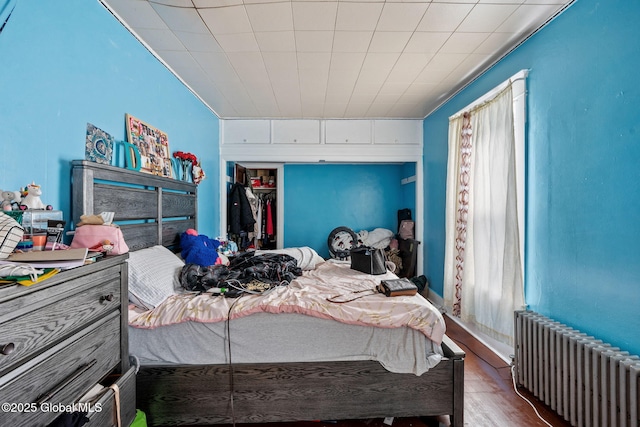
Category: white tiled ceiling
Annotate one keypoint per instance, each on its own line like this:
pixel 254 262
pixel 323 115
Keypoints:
pixel 327 58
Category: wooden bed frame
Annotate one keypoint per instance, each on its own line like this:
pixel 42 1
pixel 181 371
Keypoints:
pixel 154 210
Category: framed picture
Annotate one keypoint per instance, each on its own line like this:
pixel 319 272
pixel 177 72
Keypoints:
pixel 152 145
pixel 98 145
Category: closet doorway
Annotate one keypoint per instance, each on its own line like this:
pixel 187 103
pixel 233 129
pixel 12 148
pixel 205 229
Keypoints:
pixel 264 183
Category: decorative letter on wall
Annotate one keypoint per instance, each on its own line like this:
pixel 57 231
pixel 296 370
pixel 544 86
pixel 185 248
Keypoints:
pixel 131 156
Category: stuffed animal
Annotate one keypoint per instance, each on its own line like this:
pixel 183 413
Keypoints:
pixel 32 199
pixel 197 173
pixel 198 248
pixel 9 199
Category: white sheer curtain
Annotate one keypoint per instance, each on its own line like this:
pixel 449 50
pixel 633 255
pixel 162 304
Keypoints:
pixel 483 275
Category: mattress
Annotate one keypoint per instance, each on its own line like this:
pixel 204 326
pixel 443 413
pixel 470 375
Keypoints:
pixel 282 338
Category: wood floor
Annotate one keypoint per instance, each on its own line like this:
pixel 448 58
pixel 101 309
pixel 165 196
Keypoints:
pixel 489 398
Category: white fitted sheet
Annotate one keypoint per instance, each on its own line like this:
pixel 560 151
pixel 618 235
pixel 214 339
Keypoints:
pixel 282 338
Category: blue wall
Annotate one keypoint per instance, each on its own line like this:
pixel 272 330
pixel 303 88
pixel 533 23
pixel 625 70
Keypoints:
pixel 68 63
pixel 319 198
pixel 582 255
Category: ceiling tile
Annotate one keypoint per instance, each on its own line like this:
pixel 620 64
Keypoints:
pixel 358 16
pixel 408 67
pixel 137 14
pixel 364 94
pixel 160 39
pixel 556 2
pixel 527 18
pixel 180 59
pixel 226 20
pixel 276 41
pixel 463 42
pixel 346 65
pixel 334 111
pixel 379 110
pixel 181 18
pixel 357 109
pixel 314 15
pixel 468 68
pixel 203 4
pixel 376 67
pixel 338 96
pixel 249 66
pixel 400 110
pixel 440 67
pixel 352 41
pixel 389 41
pixel 314 41
pixel 216 65
pixel 498 43
pixel 485 18
pixel 444 17
pixel 401 16
pixel 281 65
pixel 426 42
pixel 311 61
pixel 270 17
pixel 391 92
pixel 417 93
pixel 178 3
pixel 196 42
pixel 333 58
pixel 243 42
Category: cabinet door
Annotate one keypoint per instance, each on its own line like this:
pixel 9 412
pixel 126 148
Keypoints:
pixel 296 131
pixel 348 131
pixel 246 132
pixel 398 131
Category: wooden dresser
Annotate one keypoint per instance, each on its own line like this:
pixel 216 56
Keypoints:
pixel 61 337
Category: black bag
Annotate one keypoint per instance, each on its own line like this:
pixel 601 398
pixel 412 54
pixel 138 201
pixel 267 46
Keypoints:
pixel 368 260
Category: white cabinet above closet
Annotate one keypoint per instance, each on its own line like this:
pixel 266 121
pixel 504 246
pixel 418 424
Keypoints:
pixel 296 131
pixel 348 131
pixel 310 140
pixel 397 131
pixel 247 132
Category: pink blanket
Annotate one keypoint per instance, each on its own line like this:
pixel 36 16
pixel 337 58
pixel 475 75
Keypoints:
pixel 308 295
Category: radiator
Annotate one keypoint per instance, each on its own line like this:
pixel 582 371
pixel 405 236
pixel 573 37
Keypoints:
pixel 584 380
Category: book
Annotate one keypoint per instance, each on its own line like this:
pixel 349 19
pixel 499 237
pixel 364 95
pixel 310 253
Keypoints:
pixel 67 258
pixel 397 287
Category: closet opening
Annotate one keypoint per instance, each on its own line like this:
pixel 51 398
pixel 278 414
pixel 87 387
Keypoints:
pixel 262 188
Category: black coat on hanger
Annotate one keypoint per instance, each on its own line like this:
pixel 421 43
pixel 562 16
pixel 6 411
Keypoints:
pixel 240 213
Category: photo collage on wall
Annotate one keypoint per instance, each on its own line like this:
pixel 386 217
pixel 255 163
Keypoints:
pixel 153 146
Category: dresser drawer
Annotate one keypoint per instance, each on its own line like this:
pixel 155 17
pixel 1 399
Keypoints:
pixel 106 415
pixel 38 319
pixel 62 374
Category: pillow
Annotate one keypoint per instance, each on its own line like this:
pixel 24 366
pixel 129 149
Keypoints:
pixel 154 275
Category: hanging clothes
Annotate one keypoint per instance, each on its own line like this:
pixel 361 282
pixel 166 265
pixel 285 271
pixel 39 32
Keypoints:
pixel 259 228
pixel 255 205
pixel 269 219
pixel 240 215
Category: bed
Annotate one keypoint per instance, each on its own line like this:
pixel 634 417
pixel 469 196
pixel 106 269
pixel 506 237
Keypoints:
pixel 180 383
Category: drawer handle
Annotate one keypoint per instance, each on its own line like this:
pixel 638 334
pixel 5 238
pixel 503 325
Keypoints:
pixel 75 374
pixel 7 349
pixel 108 298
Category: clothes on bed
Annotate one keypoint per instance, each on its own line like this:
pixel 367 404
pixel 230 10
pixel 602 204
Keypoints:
pixel 272 269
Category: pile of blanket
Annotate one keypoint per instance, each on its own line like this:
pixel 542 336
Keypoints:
pixel 268 268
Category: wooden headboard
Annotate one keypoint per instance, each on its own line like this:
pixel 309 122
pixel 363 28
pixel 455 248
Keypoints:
pixel 151 210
